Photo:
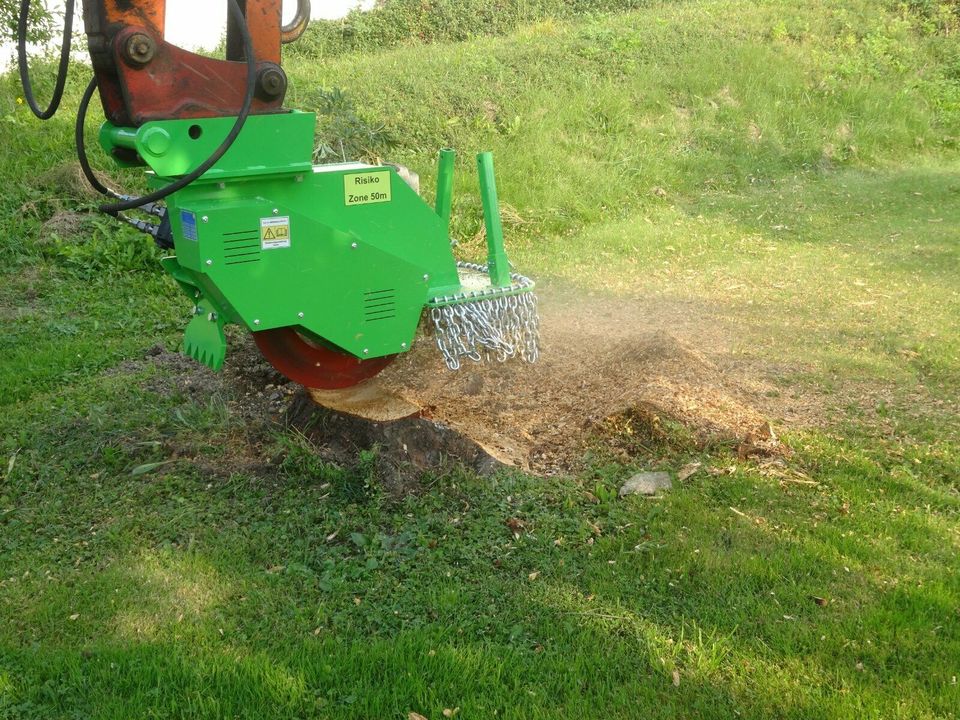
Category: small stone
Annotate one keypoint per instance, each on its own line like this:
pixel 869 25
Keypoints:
pixel 646 483
pixel 473 385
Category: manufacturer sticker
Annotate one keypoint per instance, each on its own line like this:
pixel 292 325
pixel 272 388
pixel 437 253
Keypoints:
pixel 188 221
pixel 367 188
pixel 274 233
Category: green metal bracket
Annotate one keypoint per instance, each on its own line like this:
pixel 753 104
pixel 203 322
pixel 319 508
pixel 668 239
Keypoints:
pixel 497 263
pixel 279 143
pixel 184 279
pixel 445 185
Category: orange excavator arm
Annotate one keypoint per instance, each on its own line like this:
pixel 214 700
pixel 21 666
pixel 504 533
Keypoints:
pixel 142 77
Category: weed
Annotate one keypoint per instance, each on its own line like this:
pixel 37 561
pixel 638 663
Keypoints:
pixel 343 134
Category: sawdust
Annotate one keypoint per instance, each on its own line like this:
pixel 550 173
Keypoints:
pixel 605 369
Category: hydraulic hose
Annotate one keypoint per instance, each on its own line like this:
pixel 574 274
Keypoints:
pixel 81 144
pixel 22 21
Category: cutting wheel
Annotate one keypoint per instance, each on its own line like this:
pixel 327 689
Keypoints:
pixel 313 365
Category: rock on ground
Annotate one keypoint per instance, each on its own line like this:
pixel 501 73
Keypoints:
pixel 646 483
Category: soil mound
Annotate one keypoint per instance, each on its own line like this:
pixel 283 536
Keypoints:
pixel 600 363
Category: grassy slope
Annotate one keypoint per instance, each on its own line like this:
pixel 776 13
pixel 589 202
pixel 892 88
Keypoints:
pixel 764 137
pixel 808 156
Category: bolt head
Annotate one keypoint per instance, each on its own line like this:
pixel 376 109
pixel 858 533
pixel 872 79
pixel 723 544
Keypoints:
pixel 403 345
pixel 209 262
pixel 426 278
pixel 300 315
pixel 276 211
pixel 205 218
pixel 272 82
pixel 256 322
pixel 139 48
pixel 156 141
pixel 366 351
pixel 354 245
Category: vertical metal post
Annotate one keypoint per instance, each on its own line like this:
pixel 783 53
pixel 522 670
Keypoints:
pixel 445 184
pixel 499 266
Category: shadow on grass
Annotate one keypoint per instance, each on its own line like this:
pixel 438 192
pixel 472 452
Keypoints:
pixel 230 599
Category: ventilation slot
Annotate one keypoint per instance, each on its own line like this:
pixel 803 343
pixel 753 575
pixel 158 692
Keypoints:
pixel 241 247
pixel 380 305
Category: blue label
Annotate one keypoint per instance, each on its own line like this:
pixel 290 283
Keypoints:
pixel 189 222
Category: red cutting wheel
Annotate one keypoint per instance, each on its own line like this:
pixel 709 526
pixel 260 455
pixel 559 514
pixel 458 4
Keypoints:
pixel 313 365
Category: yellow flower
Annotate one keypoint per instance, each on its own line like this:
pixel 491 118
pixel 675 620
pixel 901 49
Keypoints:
pixel 19 101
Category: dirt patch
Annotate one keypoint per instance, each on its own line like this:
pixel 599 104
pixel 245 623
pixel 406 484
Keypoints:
pixel 64 224
pixel 601 361
pixel 406 448
pixel 249 385
pixel 255 406
pixel 176 375
pixel 263 401
pixel 67 181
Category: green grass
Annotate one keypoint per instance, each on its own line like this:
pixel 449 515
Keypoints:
pixel 789 170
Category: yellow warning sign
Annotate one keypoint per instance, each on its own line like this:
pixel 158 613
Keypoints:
pixel 367 188
pixel 274 233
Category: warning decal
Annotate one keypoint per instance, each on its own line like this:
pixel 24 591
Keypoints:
pixel 274 233
pixel 367 188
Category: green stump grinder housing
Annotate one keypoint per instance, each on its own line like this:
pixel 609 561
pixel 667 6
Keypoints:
pixel 331 267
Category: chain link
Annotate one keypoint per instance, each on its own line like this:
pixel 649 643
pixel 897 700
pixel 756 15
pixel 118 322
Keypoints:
pixel 487 329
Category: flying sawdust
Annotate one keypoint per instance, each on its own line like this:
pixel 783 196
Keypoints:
pixel 600 361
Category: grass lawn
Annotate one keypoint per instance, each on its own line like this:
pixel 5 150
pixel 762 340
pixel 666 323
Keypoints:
pixel 789 169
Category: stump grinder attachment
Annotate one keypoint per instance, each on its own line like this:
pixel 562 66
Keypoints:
pixel 331 267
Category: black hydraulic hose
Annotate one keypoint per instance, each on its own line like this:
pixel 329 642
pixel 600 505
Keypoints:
pixel 164 192
pixel 81 143
pixel 51 109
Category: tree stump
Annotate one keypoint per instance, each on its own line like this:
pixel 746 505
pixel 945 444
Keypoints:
pixel 406 448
